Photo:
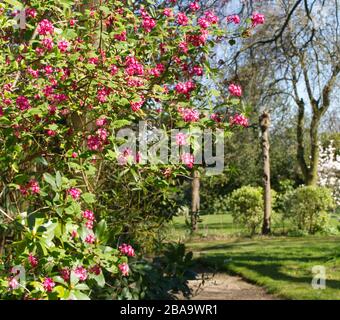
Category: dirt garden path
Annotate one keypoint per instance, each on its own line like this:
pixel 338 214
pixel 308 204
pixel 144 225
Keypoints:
pixel 221 286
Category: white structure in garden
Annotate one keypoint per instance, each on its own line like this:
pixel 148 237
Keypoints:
pixel 329 170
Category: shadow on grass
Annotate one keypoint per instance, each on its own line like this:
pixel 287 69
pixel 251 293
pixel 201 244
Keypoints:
pixel 264 266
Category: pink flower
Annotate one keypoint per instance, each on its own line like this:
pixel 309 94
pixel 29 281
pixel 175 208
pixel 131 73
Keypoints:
pixel 74 234
pixel 127 249
pixel 34 186
pixel 215 117
pixel 189 115
pixel 89 215
pixel 135 106
pixel 188 159
pixel 183 47
pixel 22 103
pixel 197 70
pixel 89 224
pixel 31 13
pixel 45 27
pixel 72 22
pixel 74 155
pixel 124 156
pixel 194 6
pixel 182 19
pixel 94 143
pixel 48 284
pixel 148 24
pixel 95 270
pixel 235 90
pixel 239 119
pixel 203 23
pixel 33 260
pixel 181 139
pixel 74 193
pixel 81 273
pixel 124 269
pixel 90 239
pixel 233 19
pixel 211 17
pixel 133 67
pixel 101 122
pixel 120 36
pixel 65 274
pixel 93 60
pixel 47 43
pixel 113 69
pixel 168 12
pixel 63 45
pixel 13 283
pixel 257 19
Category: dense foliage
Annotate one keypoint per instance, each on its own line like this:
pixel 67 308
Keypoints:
pixel 309 208
pixel 72 194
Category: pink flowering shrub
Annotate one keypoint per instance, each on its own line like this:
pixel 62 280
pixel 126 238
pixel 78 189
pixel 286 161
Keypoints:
pixel 77 76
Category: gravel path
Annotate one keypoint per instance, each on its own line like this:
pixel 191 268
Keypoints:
pixel 222 286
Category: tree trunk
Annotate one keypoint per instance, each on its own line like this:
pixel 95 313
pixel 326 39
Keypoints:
pixel 264 125
pixel 195 200
pixel 312 177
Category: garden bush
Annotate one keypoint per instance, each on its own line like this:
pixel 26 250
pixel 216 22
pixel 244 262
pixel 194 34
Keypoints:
pixel 246 206
pixel 308 207
pixel 73 201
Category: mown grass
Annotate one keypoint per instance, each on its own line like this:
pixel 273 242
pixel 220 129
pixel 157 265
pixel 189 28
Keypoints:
pixel 283 265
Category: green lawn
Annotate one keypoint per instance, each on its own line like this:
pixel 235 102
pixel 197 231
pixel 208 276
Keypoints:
pixel 283 265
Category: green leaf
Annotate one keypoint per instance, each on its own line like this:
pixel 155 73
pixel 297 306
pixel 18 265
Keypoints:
pixel 101 231
pixel 88 197
pixel 50 180
pixel 80 296
pixel 58 179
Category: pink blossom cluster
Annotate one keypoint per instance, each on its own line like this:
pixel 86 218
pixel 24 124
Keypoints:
pixel 208 19
pixel 97 141
pixel 90 239
pixel 235 90
pixel 63 45
pixel 45 27
pixel 120 36
pixel 95 270
pixel 13 283
pixel 133 67
pixel 31 187
pixel 189 115
pixel 124 156
pixel 168 12
pixel 127 249
pixel 257 19
pixel 74 193
pixel 48 284
pixel 188 159
pixel 81 273
pixel 216 117
pixel 33 260
pixel 182 19
pixel 239 119
pixel 148 23
pixel 136 105
pixel 199 39
pixel 22 103
pixel 158 70
pixel 88 215
pixel 124 269
pixel 185 87
pixel 233 19
pixel 181 139
pixel 194 6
